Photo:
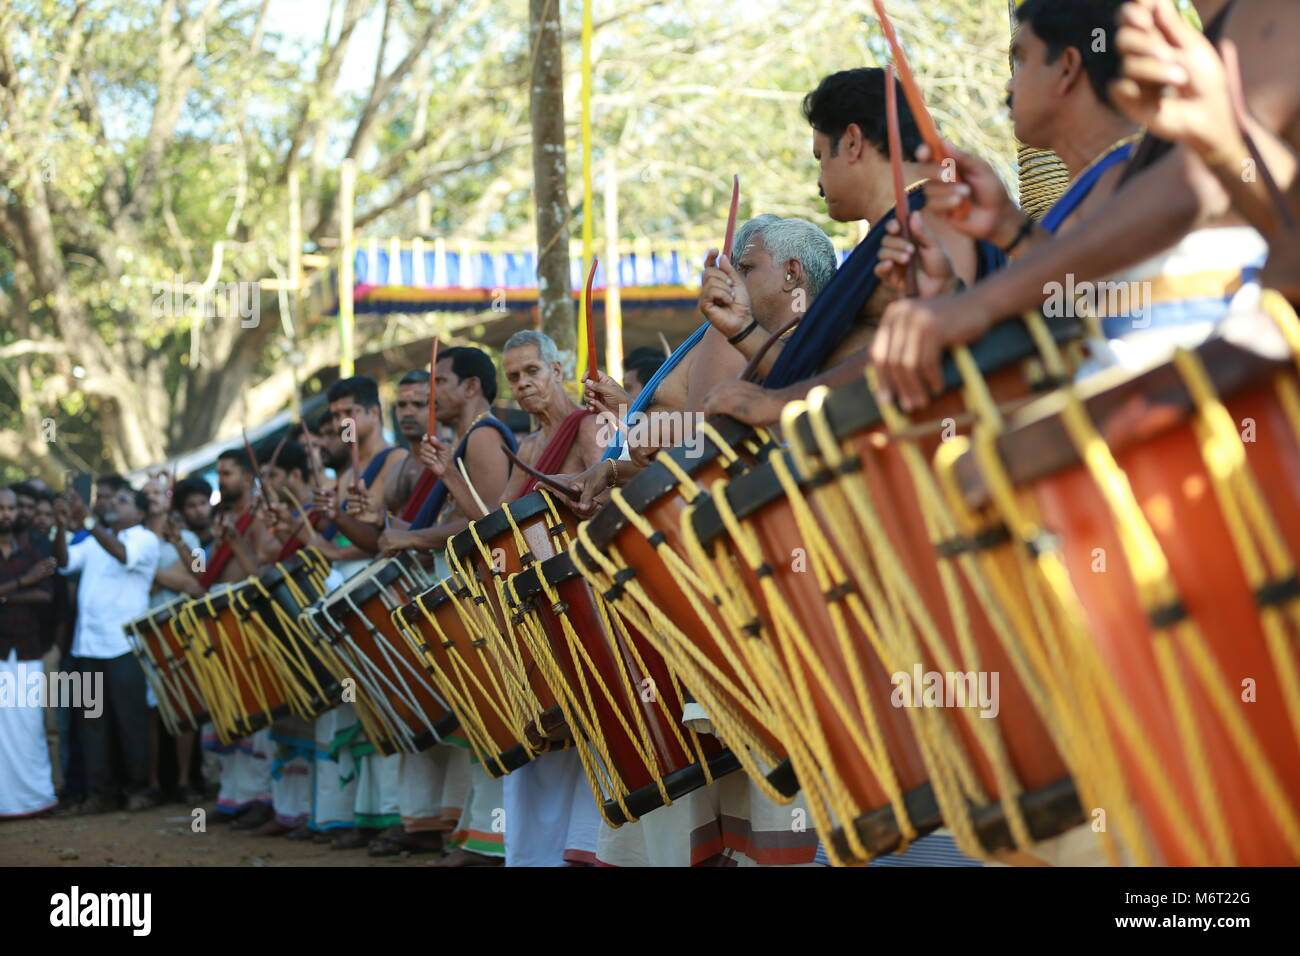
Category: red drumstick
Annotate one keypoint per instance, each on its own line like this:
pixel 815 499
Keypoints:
pixel 356 457
pixel 924 122
pixel 432 430
pixel 902 211
pixel 252 461
pixel 731 216
pixel 593 374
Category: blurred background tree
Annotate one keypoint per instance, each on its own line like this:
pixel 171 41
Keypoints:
pixel 146 142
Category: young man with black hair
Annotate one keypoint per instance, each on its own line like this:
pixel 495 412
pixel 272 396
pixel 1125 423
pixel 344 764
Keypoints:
pixel 1169 218
pixel 850 142
pixel 358 416
pixel 192 499
pixel 437 786
pixel 466 389
pixel 117 564
pixel 243 543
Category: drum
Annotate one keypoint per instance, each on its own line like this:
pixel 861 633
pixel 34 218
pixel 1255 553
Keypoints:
pixel 1163 509
pixel 619 698
pixel 467 667
pixel 634 554
pixel 482 558
pixel 899 687
pixel 162 647
pixel 252 663
pixel 397 704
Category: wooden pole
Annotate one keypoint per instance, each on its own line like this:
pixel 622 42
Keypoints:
pixel 347 253
pixel 295 280
pixel 613 300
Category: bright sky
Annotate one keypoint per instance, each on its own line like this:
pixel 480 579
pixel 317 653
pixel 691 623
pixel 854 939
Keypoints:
pixel 302 22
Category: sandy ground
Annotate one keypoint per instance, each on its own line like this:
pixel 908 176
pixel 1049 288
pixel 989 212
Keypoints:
pixel 163 837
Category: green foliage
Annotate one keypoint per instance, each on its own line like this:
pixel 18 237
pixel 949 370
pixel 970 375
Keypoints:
pixel 684 95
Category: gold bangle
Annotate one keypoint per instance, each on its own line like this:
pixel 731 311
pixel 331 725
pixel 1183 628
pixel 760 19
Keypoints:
pixel 613 473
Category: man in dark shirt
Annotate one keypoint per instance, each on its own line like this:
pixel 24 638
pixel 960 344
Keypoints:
pixel 26 785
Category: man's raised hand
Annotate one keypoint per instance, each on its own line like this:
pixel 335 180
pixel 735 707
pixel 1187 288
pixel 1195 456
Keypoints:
pixel 935 275
pixel 724 300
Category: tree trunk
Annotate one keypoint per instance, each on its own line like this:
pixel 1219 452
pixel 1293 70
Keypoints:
pixel 546 108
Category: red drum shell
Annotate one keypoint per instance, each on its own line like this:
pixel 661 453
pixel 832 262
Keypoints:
pixel 1169 480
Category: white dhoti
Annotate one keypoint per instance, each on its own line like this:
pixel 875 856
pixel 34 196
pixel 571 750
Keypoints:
pixel 26 778
pixel 335 790
pixel 377 799
pixel 432 787
pixel 291 771
pixel 246 774
pixel 551 817
pixel 483 821
pixel 731 823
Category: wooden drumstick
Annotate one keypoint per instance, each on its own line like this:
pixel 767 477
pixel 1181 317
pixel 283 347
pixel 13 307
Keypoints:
pixel 546 480
pixel 902 209
pixel 257 474
pixel 924 122
pixel 751 369
pixel 592 372
pixel 293 500
pixel 472 490
pixel 731 216
pixel 432 429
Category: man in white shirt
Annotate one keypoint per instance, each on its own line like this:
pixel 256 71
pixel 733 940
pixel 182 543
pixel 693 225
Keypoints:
pixel 117 563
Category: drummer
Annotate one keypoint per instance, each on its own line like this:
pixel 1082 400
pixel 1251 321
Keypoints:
pixel 1200 117
pixel 551 818
pixel 1167 199
pixel 466 389
pixel 444 788
pixel 783 264
pixel 245 542
pixel 850 143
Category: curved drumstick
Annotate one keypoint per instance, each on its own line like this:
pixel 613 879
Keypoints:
pixel 754 362
pixel 546 480
pixel 293 500
pixel 472 490
pixel 731 216
pixel 902 209
pixel 924 122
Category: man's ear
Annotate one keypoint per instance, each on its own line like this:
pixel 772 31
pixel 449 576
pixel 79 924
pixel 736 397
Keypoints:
pixel 793 268
pixel 851 142
pixel 1072 71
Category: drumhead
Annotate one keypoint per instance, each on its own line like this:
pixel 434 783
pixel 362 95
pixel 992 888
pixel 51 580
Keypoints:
pixel 850 409
pixel 1035 443
pixel 656 480
pixel 368 582
pixel 160 615
pixel 431 599
pixel 490 526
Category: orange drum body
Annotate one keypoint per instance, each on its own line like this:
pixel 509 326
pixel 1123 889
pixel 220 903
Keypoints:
pixel 619 698
pixel 855 592
pixel 634 552
pixel 483 557
pixel 1207 672
pixel 163 646
pixel 445 632
pixel 399 706
pixel 252 662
